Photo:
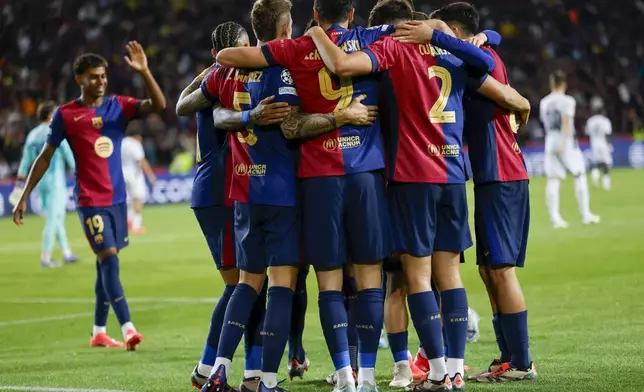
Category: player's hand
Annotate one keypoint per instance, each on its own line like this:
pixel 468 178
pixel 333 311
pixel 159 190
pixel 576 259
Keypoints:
pixel 314 30
pixel 138 61
pixel 16 194
pixel 205 72
pixel 359 114
pixel 479 40
pixel 267 113
pixel 152 178
pixel 19 212
pixel 413 32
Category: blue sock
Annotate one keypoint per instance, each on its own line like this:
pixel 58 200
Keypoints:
pixel 114 289
pixel 398 343
pixel 427 321
pixel 515 330
pixel 350 291
pixel 236 320
pixel 500 339
pixel 276 327
pixel 369 318
pixel 253 336
pixel 437 295
pixel 455 321
pixel 216 322
pixel 102 305
pixel 333 317
pixel 300 303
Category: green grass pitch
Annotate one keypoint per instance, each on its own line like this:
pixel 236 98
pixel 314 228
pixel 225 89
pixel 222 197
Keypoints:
pixel 584 287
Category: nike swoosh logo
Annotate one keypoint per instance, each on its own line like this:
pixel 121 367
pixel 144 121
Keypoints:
pixel 79 117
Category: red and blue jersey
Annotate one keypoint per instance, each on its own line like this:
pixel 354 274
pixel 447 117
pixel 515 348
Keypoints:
pixel 424 87
pixel 263 160
pixel 493 147
pixel 95 134
pixel 350 149
pixel 214 163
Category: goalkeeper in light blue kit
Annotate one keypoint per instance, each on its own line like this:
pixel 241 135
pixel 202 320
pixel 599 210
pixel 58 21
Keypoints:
pixel 52 188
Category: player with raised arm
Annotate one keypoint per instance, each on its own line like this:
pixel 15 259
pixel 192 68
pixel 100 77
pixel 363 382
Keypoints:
pixel 598 128
pixel 344 208
pixel 52 188
pixel 557 113
pixel 214 210
pixel 264 189
pixel 135 170
pixel 94 126
pixel 428 205
pixel 502 210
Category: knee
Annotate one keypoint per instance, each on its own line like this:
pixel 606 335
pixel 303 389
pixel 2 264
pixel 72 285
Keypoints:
pixel 283 276
pixel 330 280
pixel 368 276
pixel 500 275
pixel 230 276
pixel 106 253
pixel 256 281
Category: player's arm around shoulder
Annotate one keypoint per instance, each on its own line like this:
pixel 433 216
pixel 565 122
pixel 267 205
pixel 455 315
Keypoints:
pixel 192 98
pixel 505 96
pixel 265 113
pixel 242 57
pixel 339 62
pixel 303 126
pixel 138 61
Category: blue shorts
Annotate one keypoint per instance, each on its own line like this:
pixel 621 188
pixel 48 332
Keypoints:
pixel 345 217
pixel 105 227
pixel 501 223
pixel 428 218
pixel 266 236
pixel 216 224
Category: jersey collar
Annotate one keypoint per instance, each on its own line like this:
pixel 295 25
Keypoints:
pixel 337 27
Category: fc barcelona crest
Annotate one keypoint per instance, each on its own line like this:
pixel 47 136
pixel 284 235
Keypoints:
pixel 97 122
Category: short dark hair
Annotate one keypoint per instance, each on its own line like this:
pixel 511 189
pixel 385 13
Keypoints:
pixel 226 35
pixel 558 77
pixel 333 11
pixel 44 110
pixel 88 60
pixel 390 12
pixel 265 16
pixel 420 16
pixel 462 13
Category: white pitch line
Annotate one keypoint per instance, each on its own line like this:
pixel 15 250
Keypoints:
pixel 143 300
pixel 71 316
pixel 48 389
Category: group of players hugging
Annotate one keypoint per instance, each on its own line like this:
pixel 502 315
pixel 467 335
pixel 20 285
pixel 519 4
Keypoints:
pixel 341 150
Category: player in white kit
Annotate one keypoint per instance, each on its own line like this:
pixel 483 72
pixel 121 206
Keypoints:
pixel 135 169
pixel 557 113
pixel 598 128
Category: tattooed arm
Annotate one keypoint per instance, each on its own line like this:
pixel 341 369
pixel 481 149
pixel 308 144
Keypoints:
pixel 192 99
pixel 265 113
pixel 300 126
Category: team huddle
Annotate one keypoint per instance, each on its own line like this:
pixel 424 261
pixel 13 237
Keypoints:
pixel 341 150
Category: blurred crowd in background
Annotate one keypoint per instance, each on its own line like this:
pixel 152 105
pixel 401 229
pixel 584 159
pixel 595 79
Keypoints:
pixel 597 42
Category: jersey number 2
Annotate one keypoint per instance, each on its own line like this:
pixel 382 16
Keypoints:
pixel 239 99
pixel 437 113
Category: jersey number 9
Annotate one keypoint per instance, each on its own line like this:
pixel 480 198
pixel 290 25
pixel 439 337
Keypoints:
pixel 343 95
